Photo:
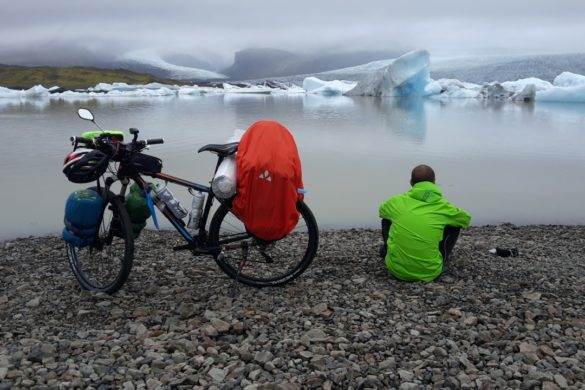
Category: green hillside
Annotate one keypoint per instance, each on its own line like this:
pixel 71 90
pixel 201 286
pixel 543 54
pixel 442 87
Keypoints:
pixel 23 77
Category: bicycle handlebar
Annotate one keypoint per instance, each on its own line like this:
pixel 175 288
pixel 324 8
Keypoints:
pixel 113 150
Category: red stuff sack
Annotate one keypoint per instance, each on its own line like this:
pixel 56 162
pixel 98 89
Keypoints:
pixel 268 179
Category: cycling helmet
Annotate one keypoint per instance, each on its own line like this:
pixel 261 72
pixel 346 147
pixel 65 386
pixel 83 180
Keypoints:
pixel 84 165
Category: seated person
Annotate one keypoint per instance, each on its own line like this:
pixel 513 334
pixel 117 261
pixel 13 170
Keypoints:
pixel 420 228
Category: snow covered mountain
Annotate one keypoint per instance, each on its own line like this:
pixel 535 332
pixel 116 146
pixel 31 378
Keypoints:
pixel 149 62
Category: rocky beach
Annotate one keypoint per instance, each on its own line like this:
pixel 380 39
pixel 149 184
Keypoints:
pixel 488 322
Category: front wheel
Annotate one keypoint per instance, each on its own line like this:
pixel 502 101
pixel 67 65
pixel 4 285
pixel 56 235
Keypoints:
pixel 104 265
pixel 260 263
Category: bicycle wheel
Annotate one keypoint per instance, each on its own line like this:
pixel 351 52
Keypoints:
pixel 260 263
pixel 104 265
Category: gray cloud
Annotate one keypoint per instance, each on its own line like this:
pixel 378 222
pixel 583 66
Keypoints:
pixel 216 29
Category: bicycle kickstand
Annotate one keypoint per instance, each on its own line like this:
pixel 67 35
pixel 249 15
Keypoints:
pixel 235 290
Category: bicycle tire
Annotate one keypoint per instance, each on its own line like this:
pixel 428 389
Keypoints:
pixel 297 270
pixel 125 230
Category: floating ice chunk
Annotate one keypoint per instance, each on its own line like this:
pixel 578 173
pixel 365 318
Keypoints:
pixel 290 90
pixel 527 94
pixel 255 89
pixel 317 86
pixel 452 89
pixel 562 94
pixel 568 79
pixel 408 75
pixel 9 93
pixel 191 90
pixel 36 91
pixel 519 85
pixel 494 91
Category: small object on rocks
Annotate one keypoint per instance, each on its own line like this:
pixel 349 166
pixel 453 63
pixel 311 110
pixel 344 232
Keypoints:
pixel 455 312
pixel 503 252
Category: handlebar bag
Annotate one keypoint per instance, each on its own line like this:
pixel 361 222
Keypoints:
pixel 268 179
pixel 83 214
pixel 146 163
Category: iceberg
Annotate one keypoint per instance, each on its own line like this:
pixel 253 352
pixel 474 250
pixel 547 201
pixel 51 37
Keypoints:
pixel 562 94
pixel 256 89
pixel 568 79
pixel 451 89
pixel 408 75
pixel 313 85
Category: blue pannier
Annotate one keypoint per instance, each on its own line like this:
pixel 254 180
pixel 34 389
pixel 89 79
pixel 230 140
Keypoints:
pixel 83 213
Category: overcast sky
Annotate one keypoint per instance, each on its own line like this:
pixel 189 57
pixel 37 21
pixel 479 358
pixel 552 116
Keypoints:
pixel 217 28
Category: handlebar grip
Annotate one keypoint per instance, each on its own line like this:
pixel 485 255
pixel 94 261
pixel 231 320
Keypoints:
pixel 81 140
pixel 155 141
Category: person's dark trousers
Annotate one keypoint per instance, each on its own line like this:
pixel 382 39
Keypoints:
pixel 450 236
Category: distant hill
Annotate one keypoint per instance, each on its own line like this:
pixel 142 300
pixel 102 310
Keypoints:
pixel 77 77
pixel 267 62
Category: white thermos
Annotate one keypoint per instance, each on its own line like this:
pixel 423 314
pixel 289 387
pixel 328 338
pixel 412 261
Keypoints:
pixel 223 184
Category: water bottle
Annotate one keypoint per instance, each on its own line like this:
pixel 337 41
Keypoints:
pixel 196 209
pixel 166 196
pixel 504 252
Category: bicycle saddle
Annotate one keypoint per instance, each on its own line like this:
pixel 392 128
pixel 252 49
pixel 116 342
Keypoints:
pixel 220 149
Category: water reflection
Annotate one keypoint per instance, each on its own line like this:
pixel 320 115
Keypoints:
pixel 406 117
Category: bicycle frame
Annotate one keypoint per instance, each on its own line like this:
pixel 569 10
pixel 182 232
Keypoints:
pixel 196 242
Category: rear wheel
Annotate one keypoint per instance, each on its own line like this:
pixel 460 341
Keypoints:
pixel 104 265
pixel 263 263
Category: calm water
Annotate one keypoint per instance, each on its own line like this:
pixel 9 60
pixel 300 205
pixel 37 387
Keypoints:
pixel 503 162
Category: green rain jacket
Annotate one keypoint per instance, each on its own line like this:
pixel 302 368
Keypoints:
pixel 418 219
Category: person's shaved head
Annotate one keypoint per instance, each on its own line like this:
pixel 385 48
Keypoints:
pixel 422 173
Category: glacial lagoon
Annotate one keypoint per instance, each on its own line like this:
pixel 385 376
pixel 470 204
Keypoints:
pixel 504 162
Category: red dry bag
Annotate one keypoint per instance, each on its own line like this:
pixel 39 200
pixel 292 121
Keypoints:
pixel 269 177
